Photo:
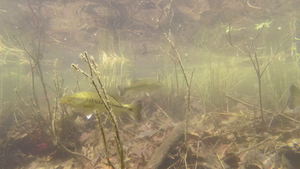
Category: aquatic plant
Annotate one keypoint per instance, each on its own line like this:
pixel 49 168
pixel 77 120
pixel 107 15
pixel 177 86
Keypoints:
pixel 10 53
pixel 253 56
pixel 113 67
pixel 47 125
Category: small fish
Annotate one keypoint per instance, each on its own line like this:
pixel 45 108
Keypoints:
pixel 145 85
pixel 294 100
pixel 89 101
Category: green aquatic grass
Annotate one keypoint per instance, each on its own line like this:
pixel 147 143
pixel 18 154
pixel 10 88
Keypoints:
pixel 11 53
pixel 112 68
pixel 212 81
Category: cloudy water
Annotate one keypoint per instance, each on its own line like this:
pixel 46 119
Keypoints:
pixel 149 84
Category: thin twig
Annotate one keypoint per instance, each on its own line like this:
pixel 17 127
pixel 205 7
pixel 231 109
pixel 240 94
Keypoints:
pixel 244 103
pixel 103 139
pixel 162 110
pixel 220 161
pixel 94 70
pixel 289 118
pixel 236 154
pixel 188 84
pixel 74 153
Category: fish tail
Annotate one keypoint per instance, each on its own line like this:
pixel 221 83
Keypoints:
pixel 135 110
pixel 122 90
pixel 294 100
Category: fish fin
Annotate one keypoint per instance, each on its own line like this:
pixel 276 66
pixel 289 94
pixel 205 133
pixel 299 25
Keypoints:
pixel 115 97
pixel 294 100
pixel 122 90
pixel 89 116
pixel 134 81
pixel 89 105
pixel 135 110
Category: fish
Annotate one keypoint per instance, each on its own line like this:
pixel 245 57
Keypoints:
pixel 141 85
pixel 294 100
pixel 87 102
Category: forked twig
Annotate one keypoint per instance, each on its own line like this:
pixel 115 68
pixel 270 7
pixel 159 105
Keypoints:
pixel 255 63
pixel 188 84
pixel 94 71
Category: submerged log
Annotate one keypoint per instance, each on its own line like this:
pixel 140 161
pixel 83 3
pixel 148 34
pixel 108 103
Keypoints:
pixel 161 153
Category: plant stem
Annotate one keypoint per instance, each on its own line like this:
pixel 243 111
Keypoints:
pixel 103 96
pixel 1 92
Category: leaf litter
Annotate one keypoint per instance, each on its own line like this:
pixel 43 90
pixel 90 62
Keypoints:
pixel 215 139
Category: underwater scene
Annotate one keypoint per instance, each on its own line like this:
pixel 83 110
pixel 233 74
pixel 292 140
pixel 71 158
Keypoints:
pixel 149 84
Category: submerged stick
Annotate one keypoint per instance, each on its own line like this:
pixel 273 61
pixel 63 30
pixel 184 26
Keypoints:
pixel 246 104
pixel 74 153
pixel 236 154
pixel 103 139
pixel 188 83
pixel 183 71
pixel 162 152
pixel 94 70
pixel 1 90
